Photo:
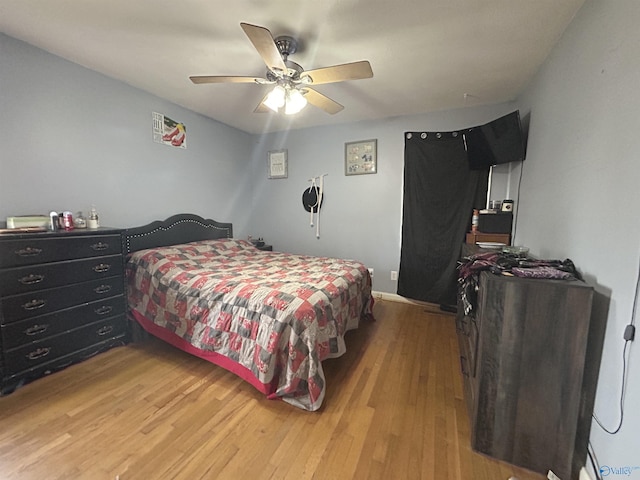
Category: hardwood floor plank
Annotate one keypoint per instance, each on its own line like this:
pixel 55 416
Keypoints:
pixel 394 408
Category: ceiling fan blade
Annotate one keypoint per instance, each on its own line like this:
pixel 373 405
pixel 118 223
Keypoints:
pixel 339 73
pixel 321 101
pixel 198 79
pixel 262 108
pixel 263 42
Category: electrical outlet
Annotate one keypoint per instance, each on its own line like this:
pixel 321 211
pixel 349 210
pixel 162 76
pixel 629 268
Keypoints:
pixel 394 275
pixel 370 272
pixel 630 332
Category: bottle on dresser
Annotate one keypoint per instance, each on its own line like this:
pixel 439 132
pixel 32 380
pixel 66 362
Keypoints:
pixel 94 221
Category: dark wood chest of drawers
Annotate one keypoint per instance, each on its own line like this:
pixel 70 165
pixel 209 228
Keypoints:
pixel 523 353
pixel 61 301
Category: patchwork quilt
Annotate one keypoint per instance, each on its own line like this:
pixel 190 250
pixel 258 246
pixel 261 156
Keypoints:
pixel 269 317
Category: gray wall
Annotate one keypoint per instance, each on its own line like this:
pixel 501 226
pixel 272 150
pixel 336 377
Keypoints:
pixel 579 195
pixel 361 216
pixel 72 138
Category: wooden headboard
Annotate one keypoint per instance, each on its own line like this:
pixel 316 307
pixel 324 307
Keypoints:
pixel 181 228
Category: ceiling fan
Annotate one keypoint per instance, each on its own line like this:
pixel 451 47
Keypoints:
pixel 292 83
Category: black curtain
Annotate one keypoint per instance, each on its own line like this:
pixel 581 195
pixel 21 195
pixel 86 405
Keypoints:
pixel 440 193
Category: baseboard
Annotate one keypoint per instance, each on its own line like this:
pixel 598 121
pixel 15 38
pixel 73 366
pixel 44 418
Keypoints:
pixel 394 297
pixel 584 475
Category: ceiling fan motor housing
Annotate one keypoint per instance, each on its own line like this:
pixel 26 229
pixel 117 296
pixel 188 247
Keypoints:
pixel 293 72
pixel 286 45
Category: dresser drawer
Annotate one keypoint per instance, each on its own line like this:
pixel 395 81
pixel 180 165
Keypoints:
pixel 48 275
pixel 22 252
pixel 37 328
pixel 467 330
pixel 27 305
pixel 52 348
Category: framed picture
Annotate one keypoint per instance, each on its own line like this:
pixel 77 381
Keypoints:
pixel 361 157
pixel 277 164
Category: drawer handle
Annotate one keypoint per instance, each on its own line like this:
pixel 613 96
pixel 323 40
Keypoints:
pixel 28 252
pixel 103 310
pixel 36 330
pixel 34 304
pixel 98 247
pixel 102 289
pixel 463 366
pixel 39 353
pixel 106 330
pixel 462 326
pixel 31 279
pixel 101 268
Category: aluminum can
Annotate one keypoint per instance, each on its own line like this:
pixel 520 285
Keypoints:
pixel 54 221
pixel 67 220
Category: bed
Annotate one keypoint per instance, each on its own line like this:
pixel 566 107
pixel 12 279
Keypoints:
pixel 269 317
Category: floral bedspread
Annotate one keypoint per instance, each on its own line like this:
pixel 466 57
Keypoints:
pixel 269 317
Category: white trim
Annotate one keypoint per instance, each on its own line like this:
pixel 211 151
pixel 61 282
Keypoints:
pixel 394 297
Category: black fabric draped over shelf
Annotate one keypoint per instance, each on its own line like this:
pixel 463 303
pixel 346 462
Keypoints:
pixel 440 193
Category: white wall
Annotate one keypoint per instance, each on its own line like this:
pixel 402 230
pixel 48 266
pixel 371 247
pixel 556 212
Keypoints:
pixel 580 195
pixel 71 137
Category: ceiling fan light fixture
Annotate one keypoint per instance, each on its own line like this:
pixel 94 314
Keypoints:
pixel 295 102
pixel 276 98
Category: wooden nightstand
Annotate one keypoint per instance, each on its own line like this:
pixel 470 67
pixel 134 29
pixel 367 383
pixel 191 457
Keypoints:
pixel 265 248
pixel 475 237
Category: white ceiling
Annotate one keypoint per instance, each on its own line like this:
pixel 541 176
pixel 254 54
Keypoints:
pixel 426 55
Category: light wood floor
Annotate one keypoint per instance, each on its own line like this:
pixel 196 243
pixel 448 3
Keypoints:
pixel 393 410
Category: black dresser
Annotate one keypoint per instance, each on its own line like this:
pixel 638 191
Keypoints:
pixel 61 301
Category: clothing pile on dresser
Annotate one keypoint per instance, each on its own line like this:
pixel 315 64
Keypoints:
pixel 500 263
